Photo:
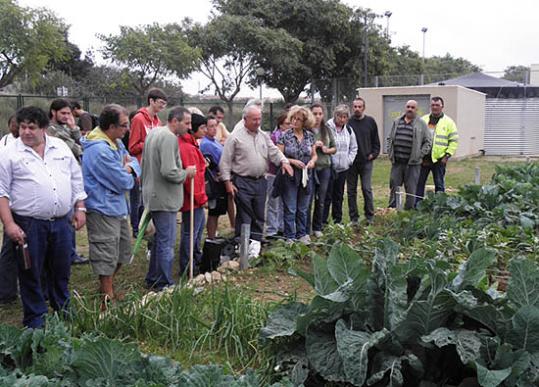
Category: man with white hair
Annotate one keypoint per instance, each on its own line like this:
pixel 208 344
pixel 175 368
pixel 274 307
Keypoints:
pixel 243 166
pixel 252 102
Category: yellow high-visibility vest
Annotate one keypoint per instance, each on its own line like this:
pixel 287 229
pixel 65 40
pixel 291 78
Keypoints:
pixel 445 138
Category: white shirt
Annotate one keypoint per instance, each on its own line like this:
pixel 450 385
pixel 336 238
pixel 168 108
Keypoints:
pixel 41 188
pixel 6 140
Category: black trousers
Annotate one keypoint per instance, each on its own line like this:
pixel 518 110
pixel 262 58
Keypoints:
pixel 364 171
pixel 250 204
pixel 335 197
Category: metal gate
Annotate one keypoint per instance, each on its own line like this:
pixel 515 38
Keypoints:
pixel 512 126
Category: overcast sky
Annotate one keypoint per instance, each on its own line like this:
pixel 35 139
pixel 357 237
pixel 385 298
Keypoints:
pixel 492 34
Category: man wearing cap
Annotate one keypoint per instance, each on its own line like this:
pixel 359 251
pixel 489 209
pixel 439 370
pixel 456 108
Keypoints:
pixel 192 156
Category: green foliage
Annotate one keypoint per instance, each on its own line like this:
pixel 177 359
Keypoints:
pixel 53 358
pixel 501 215
pixel 218 324
pixel 151 52
pixel 517 73
pixel 30 39
pixel 392 323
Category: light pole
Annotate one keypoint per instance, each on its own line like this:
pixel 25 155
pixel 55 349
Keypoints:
pixel 368 17
pixel 424 30
pixel 387 14
pixel 259 74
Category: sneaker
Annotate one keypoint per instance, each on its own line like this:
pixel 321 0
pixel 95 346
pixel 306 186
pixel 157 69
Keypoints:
pixel 80 260
pixel 254 249
pixel 305 239
pixel 318 234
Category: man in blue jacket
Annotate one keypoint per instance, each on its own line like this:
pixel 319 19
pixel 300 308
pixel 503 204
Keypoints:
pixel 109 173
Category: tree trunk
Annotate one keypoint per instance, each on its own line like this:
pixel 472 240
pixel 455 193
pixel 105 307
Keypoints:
pixel 230 121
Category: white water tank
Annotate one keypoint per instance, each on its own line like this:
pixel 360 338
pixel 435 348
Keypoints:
pixel 534 74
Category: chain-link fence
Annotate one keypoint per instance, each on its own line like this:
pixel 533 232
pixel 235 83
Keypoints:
pixel 10 103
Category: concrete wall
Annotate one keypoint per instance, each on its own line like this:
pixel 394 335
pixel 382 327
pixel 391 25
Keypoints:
pixel 534 75
pixel 466 107
pixel 470 120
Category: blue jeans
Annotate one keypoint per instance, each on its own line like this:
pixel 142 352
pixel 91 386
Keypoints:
pixel 320 194
pixel 8 271
pixel 49 246
pixel 135 207
pixel 274 210
pixel 296 204
pixel 438 175
pixel 162 252
pixel 198 224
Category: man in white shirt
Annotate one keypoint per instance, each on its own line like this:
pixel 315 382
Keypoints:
pixel 40 183
pixel 8 265
pixel 13 132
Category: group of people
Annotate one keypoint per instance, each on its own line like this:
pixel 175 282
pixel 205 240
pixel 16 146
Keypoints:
pixel 104 172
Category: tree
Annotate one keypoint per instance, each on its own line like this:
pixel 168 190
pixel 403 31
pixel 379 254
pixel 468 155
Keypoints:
pixel 231 47
pixel 151 52
pixel 30 39
pixel 438 68
pixel 73 64
pixel 517 74
pixel 319 25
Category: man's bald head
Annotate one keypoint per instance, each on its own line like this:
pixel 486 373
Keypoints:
pixel 252 117
pixel 411 109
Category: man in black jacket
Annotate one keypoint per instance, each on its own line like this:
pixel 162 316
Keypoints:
pixel 368 149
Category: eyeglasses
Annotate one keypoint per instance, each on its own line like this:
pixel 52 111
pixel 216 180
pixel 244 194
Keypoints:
pixel 161 102
pixel 297 119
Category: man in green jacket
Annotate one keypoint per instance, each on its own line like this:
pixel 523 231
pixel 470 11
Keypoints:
pixel 408 142
pixel 162 192
pixel 444 145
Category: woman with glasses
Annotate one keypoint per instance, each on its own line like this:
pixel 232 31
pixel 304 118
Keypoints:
pixel 298 145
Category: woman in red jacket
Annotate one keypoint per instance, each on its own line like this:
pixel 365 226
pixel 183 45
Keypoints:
pixel 191 155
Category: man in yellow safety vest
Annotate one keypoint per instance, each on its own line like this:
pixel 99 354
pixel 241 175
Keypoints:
pixel 444 145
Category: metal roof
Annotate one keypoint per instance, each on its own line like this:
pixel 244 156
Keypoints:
pixel 478 80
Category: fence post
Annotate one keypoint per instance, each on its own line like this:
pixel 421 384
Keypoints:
pixel 376 79
pixel 422 79
pixel 477 178
pixel 86 104
pixel 244 246
pixel 20 101
pixel 398 198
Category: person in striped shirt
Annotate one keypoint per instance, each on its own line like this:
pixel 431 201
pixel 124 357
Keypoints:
pixel 408 142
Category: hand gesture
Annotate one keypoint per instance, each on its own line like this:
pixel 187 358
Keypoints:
pixel 287 169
